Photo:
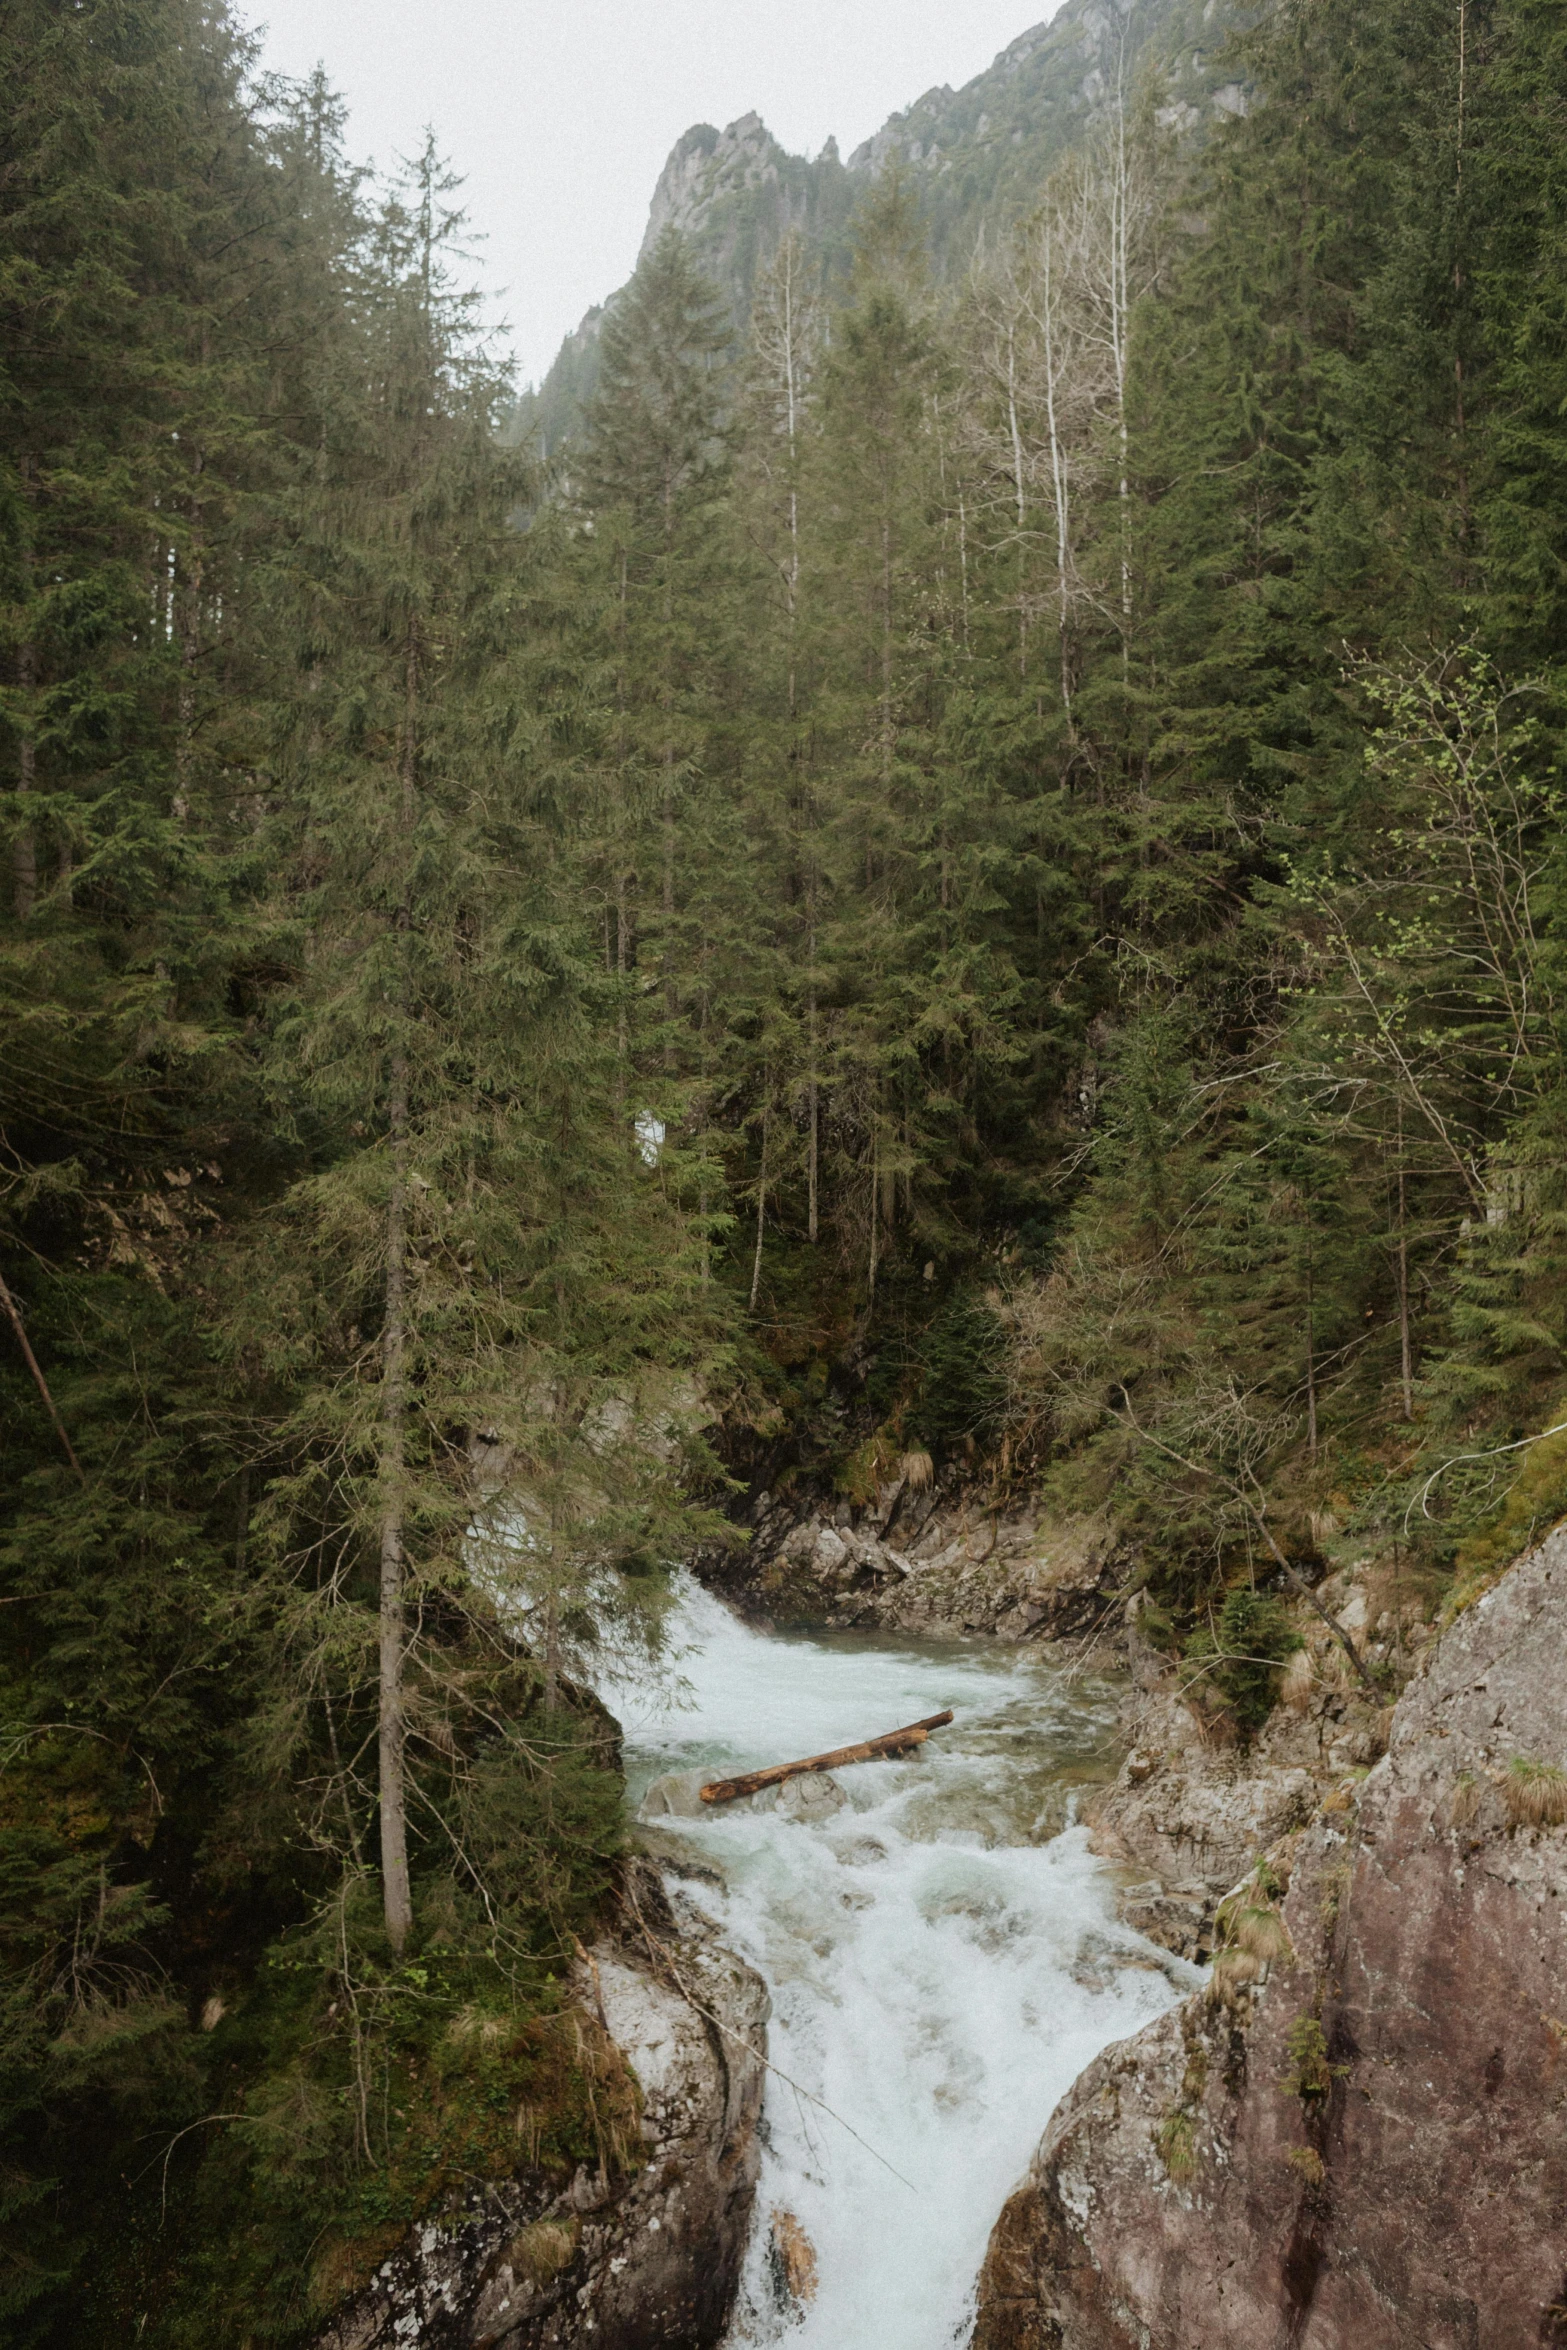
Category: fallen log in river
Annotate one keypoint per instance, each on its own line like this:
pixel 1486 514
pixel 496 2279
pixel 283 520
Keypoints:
pixel 890 1744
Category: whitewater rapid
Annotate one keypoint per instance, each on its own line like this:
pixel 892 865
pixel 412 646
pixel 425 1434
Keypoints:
pixel 942 1951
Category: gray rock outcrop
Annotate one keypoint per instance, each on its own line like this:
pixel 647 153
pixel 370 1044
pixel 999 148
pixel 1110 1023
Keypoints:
pixel 1188 1813
pixel 1357 2140
pixel 649 2262
pixel 933 1561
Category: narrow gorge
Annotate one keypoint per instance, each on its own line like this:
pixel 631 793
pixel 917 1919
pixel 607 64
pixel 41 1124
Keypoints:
pixel 1293 2015
pixel 855 1015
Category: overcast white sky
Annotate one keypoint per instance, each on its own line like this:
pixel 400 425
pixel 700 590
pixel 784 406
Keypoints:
pixel 560 112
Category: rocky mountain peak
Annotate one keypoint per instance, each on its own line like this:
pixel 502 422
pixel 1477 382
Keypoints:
pixel 705 165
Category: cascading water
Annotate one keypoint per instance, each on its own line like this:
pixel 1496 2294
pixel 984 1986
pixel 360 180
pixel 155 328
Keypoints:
pixel 942 1952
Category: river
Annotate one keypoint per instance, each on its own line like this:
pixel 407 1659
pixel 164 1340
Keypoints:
pixel 942 1950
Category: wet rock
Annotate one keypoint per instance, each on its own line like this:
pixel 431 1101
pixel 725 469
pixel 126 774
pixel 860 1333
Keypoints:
pixel 1199 1815
pixel 677 1795
pixel 937 1562
pixel 829 1552
pixel 645 2262
pixel 1179 1919
pixel 1360 2145
pixel 814 1796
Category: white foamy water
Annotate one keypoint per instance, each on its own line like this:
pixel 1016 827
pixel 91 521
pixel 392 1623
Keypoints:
pixel 942 1952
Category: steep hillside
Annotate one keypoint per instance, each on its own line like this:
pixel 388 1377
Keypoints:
pixel 979 154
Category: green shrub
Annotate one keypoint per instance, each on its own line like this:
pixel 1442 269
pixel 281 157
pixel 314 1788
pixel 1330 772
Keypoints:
pixel 1240 1652
pixel 1310 2076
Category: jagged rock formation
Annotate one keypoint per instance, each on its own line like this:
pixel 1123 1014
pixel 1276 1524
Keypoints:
pixel 977 154
pixel 734 193
pixel 1360 2144
pixel 648 2262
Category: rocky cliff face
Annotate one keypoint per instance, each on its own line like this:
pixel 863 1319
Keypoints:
pixel 648 2262
pixel 934 1560
pixel 710 168
pixel 1357 2139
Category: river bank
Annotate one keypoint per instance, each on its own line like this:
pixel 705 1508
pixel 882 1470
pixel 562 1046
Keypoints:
pixel 937 1557
pixel 945 1942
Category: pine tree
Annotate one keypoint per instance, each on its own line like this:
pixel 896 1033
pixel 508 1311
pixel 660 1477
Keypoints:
pixel 157 306
pixel 484 1211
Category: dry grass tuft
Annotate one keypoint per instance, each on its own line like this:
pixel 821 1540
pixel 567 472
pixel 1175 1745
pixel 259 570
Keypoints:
pixel 1176 2143
pixel 345 2265
pixel 1216 1725
pixel 1334 1669
pixel 1231 1971
pixel 1536 1793
pixel 1299 1684
pixel 1261 1933
pixel 917 1470
pixel 1309 2163
pixel 1464 1803
pixel 473 2027
pixel 540 2252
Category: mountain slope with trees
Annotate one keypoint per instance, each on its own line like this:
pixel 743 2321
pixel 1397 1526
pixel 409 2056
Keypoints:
pixel 978 158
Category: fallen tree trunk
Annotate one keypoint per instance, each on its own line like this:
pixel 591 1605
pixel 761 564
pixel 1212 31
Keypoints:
pixel 892 1742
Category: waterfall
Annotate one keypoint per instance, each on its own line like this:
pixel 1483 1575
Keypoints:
pixel 941 1947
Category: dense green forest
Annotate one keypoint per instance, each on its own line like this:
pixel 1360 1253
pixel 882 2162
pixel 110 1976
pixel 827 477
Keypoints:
pixel 972 869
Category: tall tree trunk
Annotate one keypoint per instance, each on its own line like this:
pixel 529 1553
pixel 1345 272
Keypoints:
pixel 622 965
pixel 814 1112
pixel 393 1628
pixel 1120 317
pixel 1406 1352
pixel 671 989
pixel 1059 487
pixel 875 1208
pixel 1016 436
pixel 188 590
pixel 1311 1363
pixel 761 1219
pixel 393 1625
pixel 24 847
pixel 13 1316
pixel 886 652
pixel 552 1657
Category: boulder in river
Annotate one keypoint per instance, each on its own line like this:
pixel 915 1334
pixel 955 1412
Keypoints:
pixel 792 2258
pixel 675 1795
pixel 1354 2139
pixel 816 1795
